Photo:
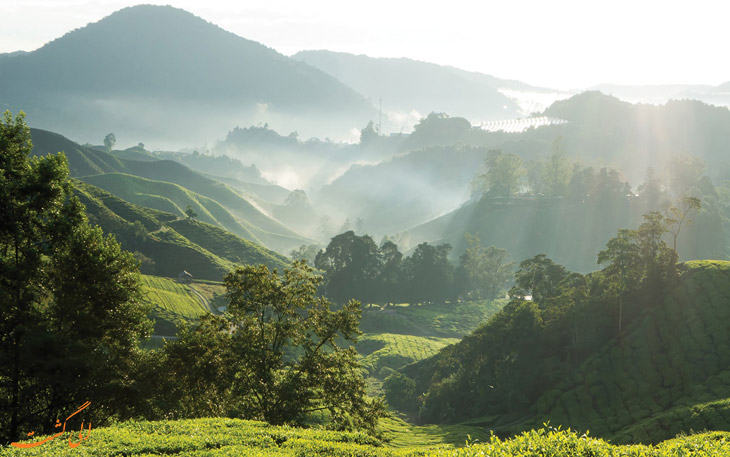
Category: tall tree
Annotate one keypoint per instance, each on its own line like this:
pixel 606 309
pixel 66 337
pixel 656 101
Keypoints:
pixel 351 265
pixel 429 274
pixel 71 309
pixel 623 258
pixel 677 214
pixel 288 359
pixel 109 141
pixel 483 271
pixel 556 171
pixel 502 175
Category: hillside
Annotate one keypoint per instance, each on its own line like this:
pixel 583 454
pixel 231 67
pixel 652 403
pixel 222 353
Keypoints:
pixel 411 188
pixel 665 374
pixel 668 374
pixel 634 137
pixel 170 186
pixel 405 85
pixel 161 73
pixel 153 234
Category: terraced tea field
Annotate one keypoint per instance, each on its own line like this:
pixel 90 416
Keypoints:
pixel 394 351
pixel 667 374
pixel 173 303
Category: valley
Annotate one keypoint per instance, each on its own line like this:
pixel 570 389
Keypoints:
pixel 337 254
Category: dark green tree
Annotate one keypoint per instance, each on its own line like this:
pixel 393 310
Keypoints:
pixel 190 213
pixel 483 271
pixel 71 309
pixel 288 359
pixel 351 265
pixel 429 274
pixel 539 277
pixel 502 175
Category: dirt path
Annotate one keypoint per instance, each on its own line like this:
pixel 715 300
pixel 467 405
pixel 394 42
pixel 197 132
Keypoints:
pixel 202 298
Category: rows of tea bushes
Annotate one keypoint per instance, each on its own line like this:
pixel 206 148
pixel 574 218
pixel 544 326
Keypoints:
pixel 233 437
pixel 393 351
pixel 173 304
pixel 666 374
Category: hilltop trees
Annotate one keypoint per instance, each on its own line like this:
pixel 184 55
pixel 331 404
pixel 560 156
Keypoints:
pixel 502 175
pixel 483 272
pixel 354 266
pixel 71 309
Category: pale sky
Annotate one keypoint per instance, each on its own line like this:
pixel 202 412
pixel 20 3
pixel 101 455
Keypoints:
pixel 563 44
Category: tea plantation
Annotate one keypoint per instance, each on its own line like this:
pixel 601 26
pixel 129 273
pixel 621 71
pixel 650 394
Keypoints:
pixel 233 437
pixel 668 373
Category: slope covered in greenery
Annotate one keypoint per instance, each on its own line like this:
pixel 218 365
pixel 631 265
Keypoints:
pixel 173 304
pixel 168 197
pixel 149 67
pixel 167 252
pixel 169 186
pixel 665 373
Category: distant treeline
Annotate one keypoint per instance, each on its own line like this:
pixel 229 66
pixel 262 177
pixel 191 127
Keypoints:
pixel 355 267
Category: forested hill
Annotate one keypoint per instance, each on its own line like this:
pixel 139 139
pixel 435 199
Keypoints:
pixel 561 359
pixel 136 69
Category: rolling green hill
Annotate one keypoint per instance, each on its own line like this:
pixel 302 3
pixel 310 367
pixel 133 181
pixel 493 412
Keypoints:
pixel 669 373
pixel 152 233
pixel 666 373
pixel 169 186
pixel 158 72
pixel 381 350
pixel 168 197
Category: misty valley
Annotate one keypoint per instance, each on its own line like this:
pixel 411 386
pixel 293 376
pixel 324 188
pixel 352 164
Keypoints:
pixel 210 248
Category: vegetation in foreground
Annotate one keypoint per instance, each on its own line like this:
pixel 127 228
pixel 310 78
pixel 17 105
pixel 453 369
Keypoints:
pixel 234 437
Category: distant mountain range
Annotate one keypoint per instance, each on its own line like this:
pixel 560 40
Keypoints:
pixel 170 79
pixel 162 73
pixel 405 85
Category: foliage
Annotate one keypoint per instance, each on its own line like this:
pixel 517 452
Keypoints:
pixel 483 272
pixel 274 355
pixel 72 312
pixel 503 172
pixel 190 213
pixel 233 437
pixel 400 390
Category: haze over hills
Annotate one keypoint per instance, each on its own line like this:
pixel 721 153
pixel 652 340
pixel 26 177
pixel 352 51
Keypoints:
pixel 160 73
pixel 170 186
pixel 411 89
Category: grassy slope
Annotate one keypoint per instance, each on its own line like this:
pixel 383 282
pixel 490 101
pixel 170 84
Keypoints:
pixel 381 350
pixel 171 251
pixel 447 321
pixel 232 437
pixel 239 215
pixel 168 197
pixel 668 373
pixel 174 304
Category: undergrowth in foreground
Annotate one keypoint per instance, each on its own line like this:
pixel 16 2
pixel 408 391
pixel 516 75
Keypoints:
pixel 233 437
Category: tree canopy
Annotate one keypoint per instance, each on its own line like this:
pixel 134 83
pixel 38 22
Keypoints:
pixel 71 309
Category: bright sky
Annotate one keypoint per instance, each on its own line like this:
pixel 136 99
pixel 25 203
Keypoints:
pixel 563 44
